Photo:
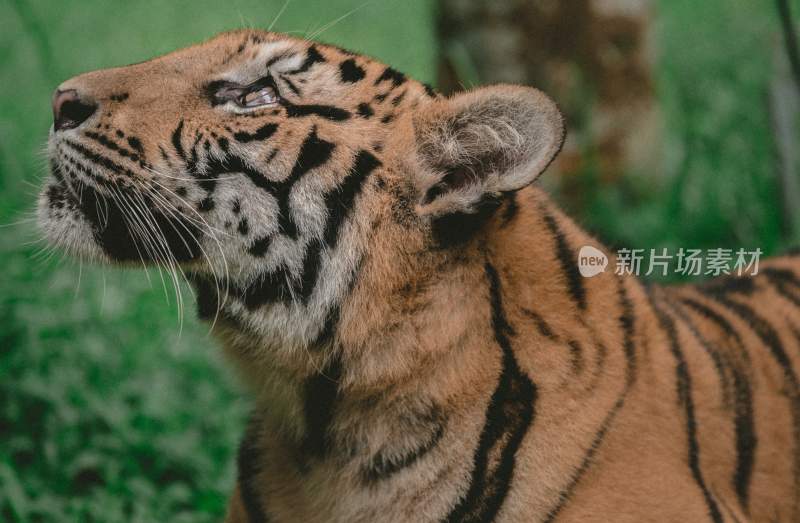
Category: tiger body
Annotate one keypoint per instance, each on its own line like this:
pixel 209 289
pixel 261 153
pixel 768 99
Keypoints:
pixel 407 309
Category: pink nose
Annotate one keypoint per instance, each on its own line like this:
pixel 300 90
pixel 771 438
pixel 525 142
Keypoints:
pixel 69 110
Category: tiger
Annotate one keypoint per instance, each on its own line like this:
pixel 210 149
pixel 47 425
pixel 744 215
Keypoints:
pixel 405 305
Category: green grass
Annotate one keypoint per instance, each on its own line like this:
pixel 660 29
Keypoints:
pixel 107 412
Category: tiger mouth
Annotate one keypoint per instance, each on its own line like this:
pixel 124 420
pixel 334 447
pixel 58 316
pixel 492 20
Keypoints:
pixel 126 223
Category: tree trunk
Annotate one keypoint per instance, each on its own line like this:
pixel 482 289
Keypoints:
pixel 592 56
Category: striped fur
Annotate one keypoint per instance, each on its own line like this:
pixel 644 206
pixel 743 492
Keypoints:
pixel 407 308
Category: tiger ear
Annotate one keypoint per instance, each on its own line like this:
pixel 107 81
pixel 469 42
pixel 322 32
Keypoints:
pixel 476 145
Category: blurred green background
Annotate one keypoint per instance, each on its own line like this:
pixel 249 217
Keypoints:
pixel 111 410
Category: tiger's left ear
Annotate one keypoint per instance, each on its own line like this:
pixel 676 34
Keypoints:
pixel 476 145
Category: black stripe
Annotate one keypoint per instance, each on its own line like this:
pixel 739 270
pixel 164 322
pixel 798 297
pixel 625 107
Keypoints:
pixel 259 247
pixel 544 328
pixel 339 201
pixel 312 57
pixel 743 422
pixel 223 144
pixel 511 210
pixel 208 300
pixel 350 71
pixel 576 356
pixel 321 392
pixel 457 228
pixel 684 388
pixel 365 110
pixel 310 273
pixel 191 163
pixel 207 181
pixel 292 86
pixel 784 275
pixel 164 155
pixel 729 284
pixel 136 145
pixel 782 280
pixel 99 159
pixel 76 165
pixel 397 100
pixel 270 287
pixel 328 329
pixel 260 134
pixel 720 364
pixel 244 227
pixel 275 59
pixel 394 75
pixel 313 153
pixel 176 141
pixel 508 417
pixel 626 323
pixel 329 112
pixel 113 146
pixel 567 259
pixel 234 164
pixel 387 462
pixel 769 337
pixel 720 320
pixel 249 466
pixel 206 204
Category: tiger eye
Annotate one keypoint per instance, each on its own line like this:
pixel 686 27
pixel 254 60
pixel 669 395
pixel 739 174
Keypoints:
pixel 263 96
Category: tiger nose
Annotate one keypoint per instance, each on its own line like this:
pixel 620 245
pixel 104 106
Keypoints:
pixel 70 109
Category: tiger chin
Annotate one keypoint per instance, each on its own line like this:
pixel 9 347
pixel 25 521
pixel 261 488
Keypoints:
pixel 406 306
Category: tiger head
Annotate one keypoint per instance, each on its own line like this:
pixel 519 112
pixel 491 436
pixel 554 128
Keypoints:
pixel 285 178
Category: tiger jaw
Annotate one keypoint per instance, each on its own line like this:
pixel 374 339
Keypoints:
pixel 97 216
pixel 60 219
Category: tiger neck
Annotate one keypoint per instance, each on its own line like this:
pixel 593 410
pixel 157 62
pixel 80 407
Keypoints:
pixel 512 320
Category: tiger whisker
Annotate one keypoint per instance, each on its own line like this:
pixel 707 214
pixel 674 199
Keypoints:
pixel 147 214
pixel 277 16
pixel 200 222
pixel 170 208
pixel 210 230
pixel 80 276
pixel 175 212
pixel 152 246
pixel 218 179
pixel 23 221
pixel 337 20
pixel 161 253
pixel 137 231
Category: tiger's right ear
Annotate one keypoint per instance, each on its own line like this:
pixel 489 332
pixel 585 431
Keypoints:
pixel 475 146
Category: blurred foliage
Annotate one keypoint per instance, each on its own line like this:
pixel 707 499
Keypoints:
pixel 109 411
pixel 720 187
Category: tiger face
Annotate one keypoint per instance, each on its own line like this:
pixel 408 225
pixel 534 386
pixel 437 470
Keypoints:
pixel 272 170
